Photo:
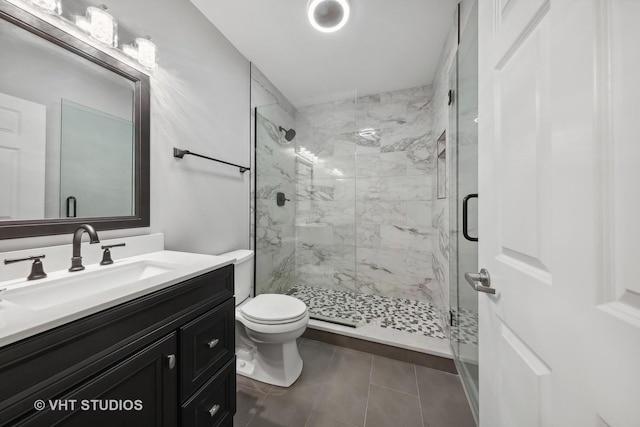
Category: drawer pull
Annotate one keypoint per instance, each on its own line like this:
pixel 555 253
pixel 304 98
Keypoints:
pixel 213 343
pixel 214 410
pixel 172 361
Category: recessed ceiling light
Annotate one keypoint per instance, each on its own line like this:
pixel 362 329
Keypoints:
pixel 328 15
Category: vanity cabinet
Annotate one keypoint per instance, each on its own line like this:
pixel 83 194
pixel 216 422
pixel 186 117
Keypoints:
pixel 164 359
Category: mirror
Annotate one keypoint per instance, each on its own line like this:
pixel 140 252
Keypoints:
pixel 74 133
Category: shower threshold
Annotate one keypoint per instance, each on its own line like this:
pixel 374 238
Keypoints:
pixel 399 322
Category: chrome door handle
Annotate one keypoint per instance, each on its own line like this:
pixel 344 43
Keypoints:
pixel 484 280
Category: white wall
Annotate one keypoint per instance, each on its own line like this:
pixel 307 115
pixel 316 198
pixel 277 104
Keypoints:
pixel 200 102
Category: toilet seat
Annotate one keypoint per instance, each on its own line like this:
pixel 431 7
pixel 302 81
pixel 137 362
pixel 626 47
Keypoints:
pixel 274 309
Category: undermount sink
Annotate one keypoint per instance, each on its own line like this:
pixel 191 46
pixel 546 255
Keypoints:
pixel 72 286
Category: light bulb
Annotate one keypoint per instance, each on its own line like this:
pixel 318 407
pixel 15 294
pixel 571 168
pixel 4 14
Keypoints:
pixel 50 6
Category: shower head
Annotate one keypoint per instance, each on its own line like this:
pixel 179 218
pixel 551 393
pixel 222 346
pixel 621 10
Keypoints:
pixel 288 134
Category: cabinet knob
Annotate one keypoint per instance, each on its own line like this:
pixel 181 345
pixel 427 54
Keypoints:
pixel 171 359
pixel 213 343
pixel 214 410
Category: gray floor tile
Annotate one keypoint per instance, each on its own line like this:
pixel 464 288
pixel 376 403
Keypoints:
pixel 250 396
pixel 345 402
pixel 390 408
pixel 443 400
pixel 288 407
pixel 319 419
pixel 342 388
pixel 350 367
pixel 316 357
pixel 346 386
pixel 400 376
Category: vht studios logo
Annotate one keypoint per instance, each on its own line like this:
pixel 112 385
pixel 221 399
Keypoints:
pixel 89 405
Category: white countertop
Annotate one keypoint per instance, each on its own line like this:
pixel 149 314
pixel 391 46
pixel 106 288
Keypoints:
pixel 18 322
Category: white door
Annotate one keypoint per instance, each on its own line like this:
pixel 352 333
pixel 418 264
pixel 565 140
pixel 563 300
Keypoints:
pixel 559 224
pixel 22 158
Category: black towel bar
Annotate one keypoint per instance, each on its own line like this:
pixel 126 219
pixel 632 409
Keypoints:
pixel 179 153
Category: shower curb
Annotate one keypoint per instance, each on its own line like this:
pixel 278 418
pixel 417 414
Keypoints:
pixel 410 356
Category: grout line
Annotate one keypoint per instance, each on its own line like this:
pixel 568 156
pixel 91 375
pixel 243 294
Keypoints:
pixel 415 372
pixel 366 407
pixel 397 391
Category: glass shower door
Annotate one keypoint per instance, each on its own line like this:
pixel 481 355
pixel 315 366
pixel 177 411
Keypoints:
pixel 325 216
pixel 464 211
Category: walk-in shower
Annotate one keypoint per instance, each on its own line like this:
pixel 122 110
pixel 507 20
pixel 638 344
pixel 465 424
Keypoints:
pixel 355 240
pixel 352 209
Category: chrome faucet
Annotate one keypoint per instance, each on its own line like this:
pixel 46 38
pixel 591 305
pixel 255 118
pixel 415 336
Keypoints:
pixel 76 260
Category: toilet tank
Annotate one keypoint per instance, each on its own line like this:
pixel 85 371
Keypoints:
pixel 243 273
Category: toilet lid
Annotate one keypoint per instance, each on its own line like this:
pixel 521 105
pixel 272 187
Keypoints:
pixel 273 309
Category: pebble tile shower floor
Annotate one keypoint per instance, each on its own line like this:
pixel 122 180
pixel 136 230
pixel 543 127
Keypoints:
pixel 340 387
pixel 396 313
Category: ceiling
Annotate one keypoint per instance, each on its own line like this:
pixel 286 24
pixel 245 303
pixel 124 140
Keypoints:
pixel 386 45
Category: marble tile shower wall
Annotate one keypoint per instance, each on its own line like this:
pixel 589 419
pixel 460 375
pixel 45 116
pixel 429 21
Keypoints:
pixel 363 219
pixel 275 229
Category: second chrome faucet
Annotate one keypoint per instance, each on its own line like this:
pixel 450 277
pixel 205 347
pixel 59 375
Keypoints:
pixel 76 260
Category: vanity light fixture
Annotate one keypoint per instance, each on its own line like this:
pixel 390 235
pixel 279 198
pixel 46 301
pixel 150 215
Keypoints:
pixel 144 51
pixel 100 25
pixel 50 6
pixel 328 16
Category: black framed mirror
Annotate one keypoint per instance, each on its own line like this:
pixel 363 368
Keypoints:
pixel 74 133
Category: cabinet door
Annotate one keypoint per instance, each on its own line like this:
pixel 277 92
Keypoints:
pixel 139 391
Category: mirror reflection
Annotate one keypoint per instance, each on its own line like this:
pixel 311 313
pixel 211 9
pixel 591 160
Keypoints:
pixel 66 133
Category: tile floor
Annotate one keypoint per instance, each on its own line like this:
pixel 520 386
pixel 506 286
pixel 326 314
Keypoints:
pixel 340 387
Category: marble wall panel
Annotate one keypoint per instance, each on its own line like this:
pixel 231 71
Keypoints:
pixel 374 191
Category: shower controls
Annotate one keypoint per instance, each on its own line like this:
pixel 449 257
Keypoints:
pixel 484 279
pixel 281 198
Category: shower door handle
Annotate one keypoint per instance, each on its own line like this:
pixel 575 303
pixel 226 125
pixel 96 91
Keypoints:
pixel 481 282
pixel 72 200
pixel 465 217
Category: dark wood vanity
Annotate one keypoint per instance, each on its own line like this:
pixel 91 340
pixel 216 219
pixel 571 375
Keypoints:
pixel 164 359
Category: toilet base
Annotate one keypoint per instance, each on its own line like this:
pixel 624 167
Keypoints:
pixel 277 364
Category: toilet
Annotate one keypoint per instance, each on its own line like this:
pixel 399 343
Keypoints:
pixel 267 327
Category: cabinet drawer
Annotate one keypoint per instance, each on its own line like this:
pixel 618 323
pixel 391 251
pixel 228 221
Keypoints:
pixel 215 403
pixel 206 344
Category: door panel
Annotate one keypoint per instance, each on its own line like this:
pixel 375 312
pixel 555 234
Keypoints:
pixel 619 21
pixel 522 139
pixel 22 158
pixel 558 222
pixel 524 383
